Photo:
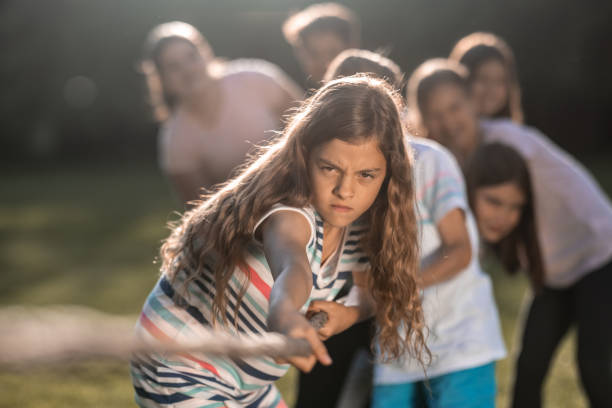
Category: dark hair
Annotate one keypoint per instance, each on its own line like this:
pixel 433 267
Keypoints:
pixel 493 164
pixel 480 47
pixel 328 17
pixel 427 77
pixel 354 61
pixel 350 109
pixel 158 39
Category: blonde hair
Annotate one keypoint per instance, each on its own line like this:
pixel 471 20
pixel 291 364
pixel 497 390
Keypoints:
pixel 162 102
pixel 479 47
pixel 351 109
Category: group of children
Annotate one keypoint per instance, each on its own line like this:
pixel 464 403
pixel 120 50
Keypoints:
pixel 346 211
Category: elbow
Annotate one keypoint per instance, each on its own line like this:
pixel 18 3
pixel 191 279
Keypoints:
pixel 459 257
pixel 464 256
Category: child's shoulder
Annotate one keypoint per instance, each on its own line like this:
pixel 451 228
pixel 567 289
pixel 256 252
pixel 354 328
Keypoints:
pixel 527 140
pixel 251 71
pixel 505 130
pixel 427 148
pixel 307 212
pixel 431 155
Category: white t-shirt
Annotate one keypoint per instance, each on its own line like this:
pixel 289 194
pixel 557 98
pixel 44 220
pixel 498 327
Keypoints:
pixel 251 92
pixel 460 313
pixel 574 216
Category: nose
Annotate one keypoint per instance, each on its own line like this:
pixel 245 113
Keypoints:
pixel 344 188
pixel 502 217
pixel 449 123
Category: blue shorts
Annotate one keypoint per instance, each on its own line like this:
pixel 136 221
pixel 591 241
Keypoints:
pixel 471 388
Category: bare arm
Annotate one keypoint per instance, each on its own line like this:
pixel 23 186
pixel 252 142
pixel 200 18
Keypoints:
pixel 285 236
pixel 456 249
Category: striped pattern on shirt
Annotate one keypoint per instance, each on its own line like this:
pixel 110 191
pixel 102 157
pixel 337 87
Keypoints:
pixel 176 310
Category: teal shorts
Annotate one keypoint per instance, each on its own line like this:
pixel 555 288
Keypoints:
pixel 471 388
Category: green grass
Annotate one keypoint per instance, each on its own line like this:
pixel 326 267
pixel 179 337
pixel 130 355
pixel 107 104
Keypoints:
pixel 88 235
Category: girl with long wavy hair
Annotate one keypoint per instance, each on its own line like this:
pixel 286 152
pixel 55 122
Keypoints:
pixel 459 309
pixel 330 199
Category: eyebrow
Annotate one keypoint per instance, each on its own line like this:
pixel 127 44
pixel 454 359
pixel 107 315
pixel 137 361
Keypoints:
pixel 332 164
pixel 498 201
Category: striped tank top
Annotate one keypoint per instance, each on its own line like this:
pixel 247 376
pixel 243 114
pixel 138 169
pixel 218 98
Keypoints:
pixel 174 311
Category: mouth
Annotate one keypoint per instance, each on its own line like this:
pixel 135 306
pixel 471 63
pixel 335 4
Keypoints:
pixel 341 208
pixel 496 230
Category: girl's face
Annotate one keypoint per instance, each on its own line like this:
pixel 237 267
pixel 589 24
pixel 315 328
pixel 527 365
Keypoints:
pixel 490 87
pixel 450 118
pixel 345 179
pixel 317 52
pixel 498 210
pixel 183 70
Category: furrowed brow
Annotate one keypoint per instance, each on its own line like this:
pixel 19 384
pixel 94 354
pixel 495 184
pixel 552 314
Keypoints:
pixel 374 170
pixel 328 162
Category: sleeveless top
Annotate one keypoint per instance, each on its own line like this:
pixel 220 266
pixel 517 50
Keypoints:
pixel 174 311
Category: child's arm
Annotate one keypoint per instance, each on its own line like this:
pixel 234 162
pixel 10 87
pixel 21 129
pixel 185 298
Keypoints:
pixel 358 306
pixel 285 236
pixel 456 249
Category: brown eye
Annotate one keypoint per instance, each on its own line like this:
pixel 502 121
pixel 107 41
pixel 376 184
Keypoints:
pixel 493 201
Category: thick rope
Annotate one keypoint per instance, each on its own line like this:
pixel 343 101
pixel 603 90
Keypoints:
pixel 58 334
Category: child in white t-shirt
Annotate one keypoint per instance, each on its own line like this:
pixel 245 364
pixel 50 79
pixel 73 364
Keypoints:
pixel 460 312
pixel 574 228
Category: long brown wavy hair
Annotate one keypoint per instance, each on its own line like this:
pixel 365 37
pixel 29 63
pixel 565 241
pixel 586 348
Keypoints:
pixel 477 48
pixel 352 109
pixel 493 164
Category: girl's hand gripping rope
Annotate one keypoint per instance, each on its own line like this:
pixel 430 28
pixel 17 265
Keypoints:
pixel 293 324
pixel 339 317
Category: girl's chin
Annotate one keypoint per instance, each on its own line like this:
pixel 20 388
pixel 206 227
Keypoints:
pixel 336 221
pixel 493 239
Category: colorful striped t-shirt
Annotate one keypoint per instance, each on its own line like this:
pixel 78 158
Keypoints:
pixel 174 311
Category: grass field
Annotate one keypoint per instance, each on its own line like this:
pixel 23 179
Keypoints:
pixel 88 235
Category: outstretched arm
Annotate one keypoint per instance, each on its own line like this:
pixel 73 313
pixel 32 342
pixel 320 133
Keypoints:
pixel 285 236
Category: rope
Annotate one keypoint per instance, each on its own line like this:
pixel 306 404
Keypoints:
pixel 57 334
